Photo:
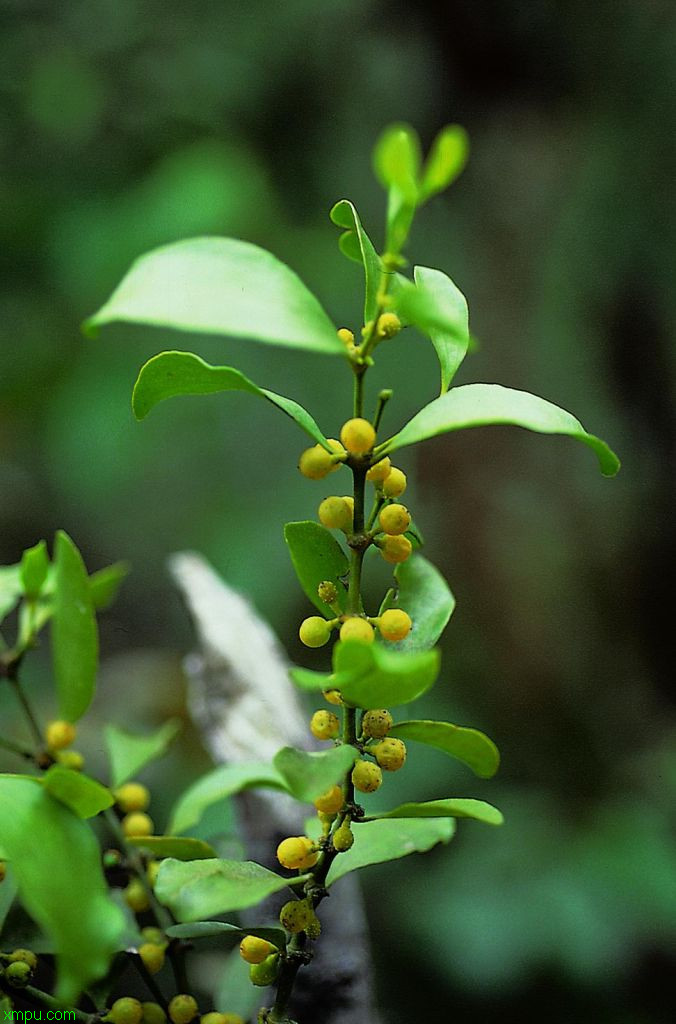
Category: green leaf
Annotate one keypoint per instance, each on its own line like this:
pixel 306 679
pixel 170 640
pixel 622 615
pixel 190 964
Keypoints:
pixel 183 373
pixel 75 640
pixel 357 245
pixel 307 776
pixel 10 588
pixel 204 888
pixel 371 676
pixel 83 795
pixel 470 746
pixel 446 159
pixel 178 847
pixel 231 933
pixel 316 556
pixel 378 841
pixel 34 568
pixel 128 752
pixel 424 594
pixel 220 286
pixel 476 809
pixel 217 785
pixel 475 405
pixel 105 583
pixel 56 861
pixel 438 308
pixel 397 158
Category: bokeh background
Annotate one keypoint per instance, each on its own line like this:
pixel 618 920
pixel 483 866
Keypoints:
pixel 130 123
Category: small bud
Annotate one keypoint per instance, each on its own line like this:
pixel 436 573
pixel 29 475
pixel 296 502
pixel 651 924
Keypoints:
pixel 292 853
pixel 125 1011
pixel 152 957
pixel 389 324
pixel 153 1014
pixel 18 974
pixel 137 825
pixel 331 801
pixel 266 973
pixel 59 734
pixel 136 897
pixel 152 871
pixel 390 754
pixel 326 592
pixel 294 916
pixel 394 625
pixel 395 549
pixel 395 483
pixel 346 336
pixel 335 513
pixel 24 956
pixel 155 935
pixel 133 796
pixel 332 696
pixel 254 950
pixel 72 759
pixel 314 631
pixel 316 463
pixel 380 471
pixel 343 838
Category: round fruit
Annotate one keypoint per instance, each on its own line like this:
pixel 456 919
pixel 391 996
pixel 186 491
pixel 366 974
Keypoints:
pixel 295 915
pixel 24 956
pixel 182 1009
pixel 395 549
pixel 331 801
pixel 349 501
pixel 137 825
pixel 390 754
pixel 136 897
pixel 265 974
pixel 18 975
pixel 356 628
pixel 255 950
pixel 358 436
pixel 335 513
pixel 366 776
pixel 377 723
pixel 332 696
pixel 153 1014
pixel 292 852
pixel 152 957
pixel 132 797
pixel 395 483
pixel 380 471
pixel 314 631
pixel 59 734
pixel 346 336
pixel 324 725
pixel 343 838
pixel 316 463
pixel 395 519
pixel 125 1011
pixel 221 1018
pixel 72 759
pixel 155 935
pixel 394 624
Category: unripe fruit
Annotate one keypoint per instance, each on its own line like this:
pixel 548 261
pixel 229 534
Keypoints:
pixel 3 870
pixel 335 513
pixel 346 336
pixel 313 929
pixel 221 1018
pixel 18 975
pixel 255 950
pixel 316 463
pixel 132 797
pixel 389 324
pixel 152 957
pixel 332 696
pixel 331 801
pixel 266 973
pixel 137 825
pixel 72 759
pixel 377 723
pixel 390 754
pixel 314 631
pixel 153 1014
pixel 324 725
pixel 125 1011
pixel 358 436
pixel 395 483
pixel 395 519
pixel 182 1009
pixel 295 915
pixel 356 628
pixel 292 852
pixel 152 871
pixel 156 936
pixel 326 591
pixel 380 471
pixel 136 897
pixel 394 624
pixel 366 777
pixel 24 956
pixel 395 549
pixel 343 838
pixel 59 734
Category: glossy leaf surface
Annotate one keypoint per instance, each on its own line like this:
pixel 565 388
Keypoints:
pixel 389 839
pixel 204 888
pixel 479 810
pixel 75 641
pixel 307 776
pixel 356 245
pixel 84 796
pixel 316 556
pixel 470 746
pixel 217 785
pixel 424 594
pixel 130 752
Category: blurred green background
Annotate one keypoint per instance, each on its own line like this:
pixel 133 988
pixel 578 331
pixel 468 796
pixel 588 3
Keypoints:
pixel 130 123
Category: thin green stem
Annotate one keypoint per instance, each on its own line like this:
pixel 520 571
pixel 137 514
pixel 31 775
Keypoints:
pixel 44 999
pixel 27 709
pixel 383 399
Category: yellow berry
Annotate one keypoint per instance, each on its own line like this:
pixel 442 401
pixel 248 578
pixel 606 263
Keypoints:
pixel 316 463
pixel 395 549
pixel 152 957
pixel 59 734
pixel 137 825
pixel 389 324
pixel 395 519
pixel 132 797
pixel 326 592
pixel 366 776
pixel 18 975
pixel 295 915
pixel 380 471
pixel 314 631
pixel 349 501
pixel 331 801
pixel 72 759
pixel 182 1009
pixel 390 754
pixel 346 336
pixel 324 725
pixel 265 974
pixel 136 897
pixel 377 723
pixel 395 483
pixel 332 696
pixel 356 628
pixel 335 513
pixel 343 838
pixel 24 956
pixel 394 624
pixel 156 936
pixel 221 1018
pixel 153 1014
pixel 125 1011
pixel 358 436
pixel 292 852
pixel 255 950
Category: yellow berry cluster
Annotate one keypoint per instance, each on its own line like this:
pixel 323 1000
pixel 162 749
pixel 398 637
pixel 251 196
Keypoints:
pixel 389 752
pixel 59 735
